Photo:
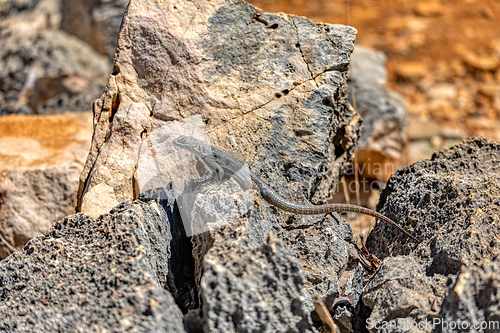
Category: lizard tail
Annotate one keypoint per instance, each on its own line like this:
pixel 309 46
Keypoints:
pixel 274 199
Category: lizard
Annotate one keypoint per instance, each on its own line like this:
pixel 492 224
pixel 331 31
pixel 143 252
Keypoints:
pixel 222 163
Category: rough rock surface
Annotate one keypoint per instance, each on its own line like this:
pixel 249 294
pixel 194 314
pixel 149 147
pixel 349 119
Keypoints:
pixel 242 282
pixel 41 158
pixel 383 111
pixel 319 243
pixel 253 289
pixel 114 272
pixel 474 298
pixel 45 70
pixel 93 275
pixel 451 202
pixel 270 87
pixel 95 22
pixel 401 289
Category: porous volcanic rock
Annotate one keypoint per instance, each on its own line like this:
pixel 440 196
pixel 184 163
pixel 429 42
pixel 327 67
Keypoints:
pixel 401 290
pixel 319 244
pixel 253 288
pixel 88 275
pixel 450 202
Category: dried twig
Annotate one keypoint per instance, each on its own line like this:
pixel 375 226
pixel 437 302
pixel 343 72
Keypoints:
pixel 257 17
pixel 10 247
pixel 323 313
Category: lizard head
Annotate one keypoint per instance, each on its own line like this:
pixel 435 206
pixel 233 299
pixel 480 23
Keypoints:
pixel 187 142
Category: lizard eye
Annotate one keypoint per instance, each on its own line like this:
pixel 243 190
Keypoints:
pixel 183 140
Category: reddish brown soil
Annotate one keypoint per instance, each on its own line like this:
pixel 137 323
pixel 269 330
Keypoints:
pixel 443 55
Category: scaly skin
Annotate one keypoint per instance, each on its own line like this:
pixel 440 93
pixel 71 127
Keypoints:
pixel 222 162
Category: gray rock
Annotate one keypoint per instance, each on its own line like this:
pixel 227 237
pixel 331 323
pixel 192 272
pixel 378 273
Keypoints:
pixel 449 202
pixel 253 289
pixel 87 275
pixel 95 22
pixel 383 135
pixel 217 212
pixel 320 244
pixel 46 70
pixel 473 299
pixel 273 93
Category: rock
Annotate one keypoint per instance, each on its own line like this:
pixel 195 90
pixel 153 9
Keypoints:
pixel 87 275
pixel 15 6
pixel 320 244
pixel 400 290
pixel 410 71
pixel 98 200
pixel 46 70
pixel 384 116
pixel 250 289
pixel 480 62
pixel 473 299
pixel 41 158
pixel 273 93
pixel 430 8
pixel 95 22
pixel 450 202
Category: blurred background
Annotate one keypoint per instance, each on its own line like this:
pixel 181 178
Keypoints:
pixel 425 75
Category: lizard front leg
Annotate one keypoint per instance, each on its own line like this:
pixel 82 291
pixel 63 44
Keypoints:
pixel 215 167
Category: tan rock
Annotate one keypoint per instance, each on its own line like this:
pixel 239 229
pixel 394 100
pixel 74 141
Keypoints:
pixel 99 200
pixel 481 62
pixel 411 70
pixel 41 158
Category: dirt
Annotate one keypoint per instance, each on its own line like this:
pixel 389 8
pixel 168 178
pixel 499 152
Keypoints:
pixel 44 141
pixel 442 56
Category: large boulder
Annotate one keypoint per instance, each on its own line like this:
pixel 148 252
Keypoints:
pixel 93 275
pixel 41 158
pixel 450 202
pixel 270 87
